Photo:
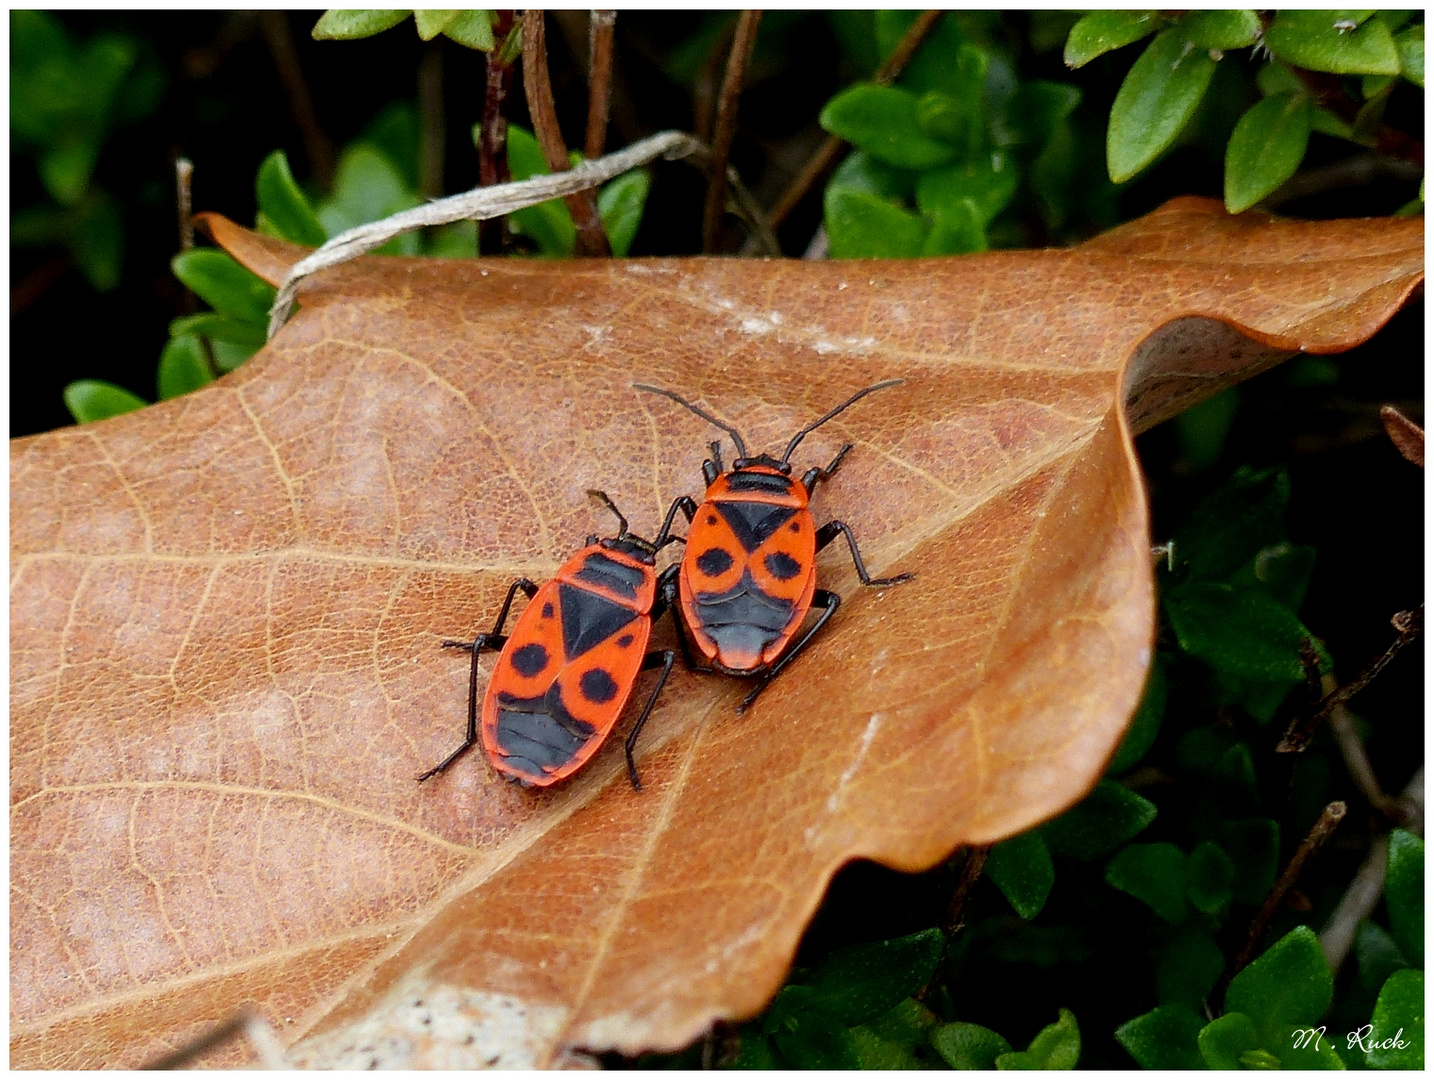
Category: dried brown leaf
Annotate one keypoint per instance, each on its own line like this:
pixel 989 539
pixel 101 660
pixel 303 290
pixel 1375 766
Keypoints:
pixel 226 611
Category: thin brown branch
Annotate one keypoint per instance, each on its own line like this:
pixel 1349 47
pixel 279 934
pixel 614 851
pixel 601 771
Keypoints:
pixel 831 150
pixel 591 240
pixel 432 125
pixel 317 145
pixel 1329 819
pixel 1408 624
pixel 704 91
pixel 970 874
pixel 493 136
pixel 184 204
pixel 1360 899
pixel 600 35
pixel 1406 435
pixel 743 39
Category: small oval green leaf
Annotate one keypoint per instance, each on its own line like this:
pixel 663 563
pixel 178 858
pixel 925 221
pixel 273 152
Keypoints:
pixel 223 284
pixel 620 206
pixel 1225 1040
pixel 1286 987
pixel 284 204
pixel 1159 95
pixel 1404 893
pixel 969 1046
pixel 1266 148
pixel 338 24
pixel 862 226
pixel 1410 44
pixel 1101 31
pixel 882 120
pixel 1163 1038
pixel 1021 868
pixel 432 23
pixel 1155 875
pixel 182 367
pixel 472 29
pixel 1323 41
pixel 93 399
pixel 1221 30
pixel 1396 1040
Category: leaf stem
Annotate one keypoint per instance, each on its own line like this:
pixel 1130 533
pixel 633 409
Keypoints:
pixel 430 108
pixel 743 40
pixel 493 136
pixel 318 147
pixel 591 240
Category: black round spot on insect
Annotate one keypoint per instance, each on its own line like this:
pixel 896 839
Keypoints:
pixel 624 641
pixel 547 611
pixel 714 561
pixel 530 659
pixel 711 519
pixel 782 566
pixel 597 686
pixel 795 526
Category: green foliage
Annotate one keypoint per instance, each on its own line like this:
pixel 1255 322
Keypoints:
pixel 1056 1046
pixel 93 399
pixel 1155 875
pixel 1168 82
pixel 969 1046
pixel 1404 893
pixel 1097 825
pixel 182 367
pixel 1286 989
pixel 944 156
pixel 1398 1023
pixel 1021 868
pixel 1163 1038
pixel 67 99
pixel 473 29
pixel 284 210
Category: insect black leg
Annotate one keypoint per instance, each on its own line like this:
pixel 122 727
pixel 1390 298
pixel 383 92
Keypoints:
pixel 712 467
pixel 813 476
pixel 665 537
pixel 651 660
pixel 495 640
pixel 828 532
pixel 821 598
pixel 667 598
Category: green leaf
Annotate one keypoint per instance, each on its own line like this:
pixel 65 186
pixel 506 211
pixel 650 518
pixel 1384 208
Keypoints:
pixel 1266 148
pixel 1159 95
pixel 1209 878
pixel 882 120
pixel 620 204
pixel 182 367
pixel 1253 845
pixel 228 355
pixel 1404 893
pixel 1021 868
pixel 1202 429
pixel 1189 966
pixel 92 399
pixel 860 983
pixel 1155 875
pixel 1098 824
pixel 1145 727
pixel 1233 524
pixel 1377 954
pixel 809 1038
pixel 941 116
pixel 957 230
pixel 211 324
pixel 338 24
pixel 898 1039
pixel 1283 570
pixel 1056 1046
pixel 432 23
pixel 472 29
pixel 1241 632
pixel 755 1050
pixel 1287 987
pixel 1101 31
pixel 989 184
pixel 947 60
pixel 223 284
pixel 97 241
pixel 549 224
pixel 284 204
pixel 862 172
pixel 1410 45
pixel 456 240
pixel 1224 1041
pixel 969 1046
pixel 368 186
pixel 1398 1024
pixel 1221 30
pixel 1163 1038
pixel 65 168
pixel 1037 109
pixel 1320 41
pixel 862 226
pixel 1233 778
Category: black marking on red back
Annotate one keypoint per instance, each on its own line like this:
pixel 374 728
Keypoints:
pixel 782 566
pixel 530 659
pixel 598 569
pixel 589 619
pixel 758 481
pixel 754 522
pixel 714 562
pixel 744 619
pixel 538 734
pixel 598 686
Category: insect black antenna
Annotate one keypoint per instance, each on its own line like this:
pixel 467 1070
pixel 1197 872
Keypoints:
pixel 799 436
pixel 729 429
pixel 622 533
